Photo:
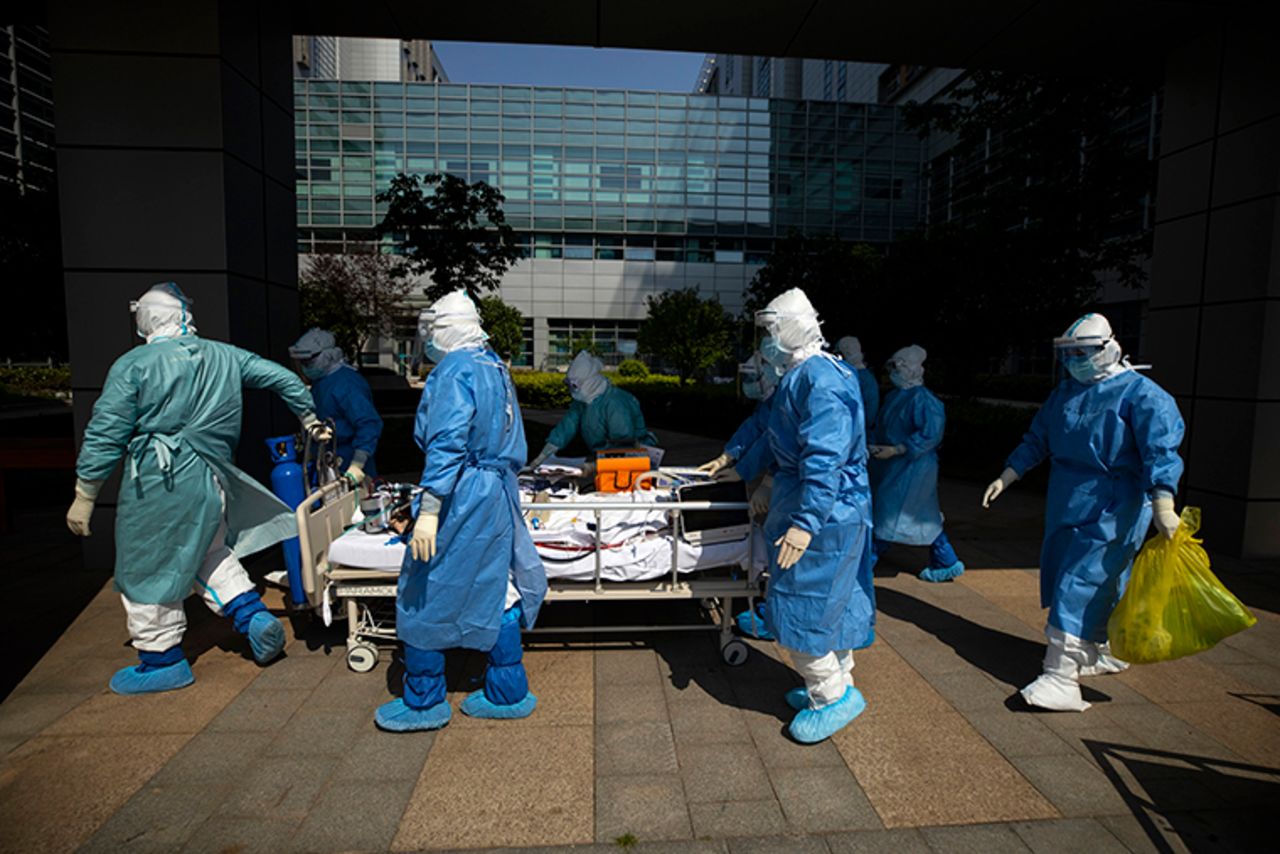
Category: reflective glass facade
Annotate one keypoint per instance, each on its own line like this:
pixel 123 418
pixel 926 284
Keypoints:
pixel 604 174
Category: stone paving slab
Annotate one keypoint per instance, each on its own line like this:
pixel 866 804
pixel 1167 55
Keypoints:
pixel 651 739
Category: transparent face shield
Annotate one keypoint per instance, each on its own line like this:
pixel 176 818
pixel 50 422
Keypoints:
pixel 767 321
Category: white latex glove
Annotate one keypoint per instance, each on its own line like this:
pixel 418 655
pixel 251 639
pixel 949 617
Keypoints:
pixel 727 475
pixel 792 546
pixel 316 429
pixel 713 467
pixel 999 485
pixel 423 543
pixel 886 452
pixel 547 450
pixel 760 498
pixel 1163 515
pixel 82 507
pixel 355 474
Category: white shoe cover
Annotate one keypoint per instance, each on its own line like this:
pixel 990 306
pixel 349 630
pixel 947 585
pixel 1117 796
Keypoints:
pixel 1105 663
pixel 1058 687
pixel 1055 692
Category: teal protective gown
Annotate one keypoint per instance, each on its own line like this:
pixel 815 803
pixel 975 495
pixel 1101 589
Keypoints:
pixel 171 410
pixel 612 420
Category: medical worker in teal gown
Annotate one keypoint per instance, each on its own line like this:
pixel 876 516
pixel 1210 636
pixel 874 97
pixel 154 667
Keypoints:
pixel 1111 436
pixel 471 577
pixel 170 410
pixel 904 468
pixel 343 396
pixel 604 415
pixel 758 379
pixel 820 603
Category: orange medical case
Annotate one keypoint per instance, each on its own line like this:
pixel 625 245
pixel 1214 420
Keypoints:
pixel 616 471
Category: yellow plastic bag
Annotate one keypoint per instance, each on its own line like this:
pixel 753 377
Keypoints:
pixel 1174 605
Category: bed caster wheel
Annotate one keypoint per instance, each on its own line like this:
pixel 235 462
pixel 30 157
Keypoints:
pixel 362 658
pixel 735 653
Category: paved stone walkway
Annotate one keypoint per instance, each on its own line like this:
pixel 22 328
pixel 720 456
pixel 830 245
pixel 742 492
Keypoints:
pixel 652 740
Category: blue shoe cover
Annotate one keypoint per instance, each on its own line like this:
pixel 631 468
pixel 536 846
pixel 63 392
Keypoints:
pixel 266 637
pixel 752 625
pixel 133 680
pixel 945 573
pixel 811 726
pixel 477 705
pixel 395 716
pixel 798 698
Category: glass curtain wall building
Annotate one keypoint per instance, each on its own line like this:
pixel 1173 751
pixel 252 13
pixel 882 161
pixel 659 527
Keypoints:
pixel 616 195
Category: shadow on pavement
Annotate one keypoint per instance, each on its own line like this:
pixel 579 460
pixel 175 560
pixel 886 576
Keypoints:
pixel 1193 802
pixel 1007 658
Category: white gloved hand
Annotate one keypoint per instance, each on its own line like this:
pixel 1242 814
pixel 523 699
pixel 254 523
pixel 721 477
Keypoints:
pixel 1163 515
pixel 547 450
pixel 727 475
pixel 999 485
pixel 713 467
pixel 316 429
pixel 886 452
pixel 760 498
pixel 82 507
pixel 355 474
pixel 423 543
pixel 792 546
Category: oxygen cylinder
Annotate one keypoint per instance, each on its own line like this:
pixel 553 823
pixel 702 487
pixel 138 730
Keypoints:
pixel 289 486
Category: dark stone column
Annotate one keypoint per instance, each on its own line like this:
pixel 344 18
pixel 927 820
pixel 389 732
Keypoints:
pixel 1214 315
pixel 175 162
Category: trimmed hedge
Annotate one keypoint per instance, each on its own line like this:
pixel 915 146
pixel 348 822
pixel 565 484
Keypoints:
pixel 35 380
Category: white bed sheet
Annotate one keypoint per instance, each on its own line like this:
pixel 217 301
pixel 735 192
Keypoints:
pixel 643 559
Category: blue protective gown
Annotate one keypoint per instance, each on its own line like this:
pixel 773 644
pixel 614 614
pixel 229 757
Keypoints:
pixel 1110 444
pixel 345 397
pixel 750 431
pixel 870 396
pixel 818 450
pixel 172 408
pixel 469 427
pixel 905 487
pixel 612 420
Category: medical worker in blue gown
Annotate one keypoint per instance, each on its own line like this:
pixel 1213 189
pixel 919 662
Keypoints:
pixel 759 379
pixel 820 603
pixel 1111 436
pixel 343 396
pixel 471 577
pixel 904 468
pixel 603 414
pixel 170 410
pixel 851 351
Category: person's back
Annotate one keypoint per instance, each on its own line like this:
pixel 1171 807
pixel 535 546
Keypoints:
pixel 344 396
pixel 613 420
pixel 496 432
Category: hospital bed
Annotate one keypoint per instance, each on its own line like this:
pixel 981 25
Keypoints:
pixel 349 573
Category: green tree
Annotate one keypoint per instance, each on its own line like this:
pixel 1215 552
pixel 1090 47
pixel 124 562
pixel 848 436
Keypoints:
pixel 686 331
pixel 838 276
pixel 452 231
pixel 505 325
pixel 1062 163
pixel 353 296
pixel 584 341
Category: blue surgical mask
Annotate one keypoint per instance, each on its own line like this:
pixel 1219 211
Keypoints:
pixel 312 371
pixel 753 389
pixel 898 379
pixel 772 352
pixel 1081 368
pixel 432 352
